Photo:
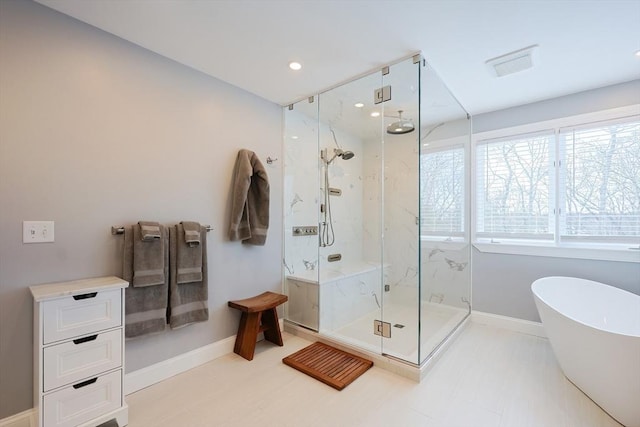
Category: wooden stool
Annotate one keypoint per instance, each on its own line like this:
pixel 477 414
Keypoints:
pixel 258 315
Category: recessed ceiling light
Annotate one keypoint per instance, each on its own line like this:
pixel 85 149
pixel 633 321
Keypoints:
pixel 294 137
pixel 375 114
pixel 638 53
pixel 358 105
pixel 295 65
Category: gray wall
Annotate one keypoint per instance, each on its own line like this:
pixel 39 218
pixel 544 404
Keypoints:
pixel 502 283
pixel 94 132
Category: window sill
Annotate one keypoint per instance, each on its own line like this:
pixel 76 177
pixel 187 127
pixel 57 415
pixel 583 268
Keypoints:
pixel 595 252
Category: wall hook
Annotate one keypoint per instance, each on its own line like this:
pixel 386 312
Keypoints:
pixel 270 160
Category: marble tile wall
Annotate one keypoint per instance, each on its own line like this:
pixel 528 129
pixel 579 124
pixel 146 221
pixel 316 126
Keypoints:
pixel 443 267
pixel 304 193
pixel 445 273
pixel 300 192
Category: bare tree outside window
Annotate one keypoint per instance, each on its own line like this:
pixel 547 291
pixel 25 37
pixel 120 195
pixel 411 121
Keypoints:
pixel 579 183
pixel 442 192
pixel 602 191
pixel 513 193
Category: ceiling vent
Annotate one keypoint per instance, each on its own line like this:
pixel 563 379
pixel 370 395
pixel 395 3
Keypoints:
pixel 513 62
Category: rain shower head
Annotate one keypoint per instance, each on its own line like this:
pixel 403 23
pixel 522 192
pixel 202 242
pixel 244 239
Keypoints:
pixel 401 126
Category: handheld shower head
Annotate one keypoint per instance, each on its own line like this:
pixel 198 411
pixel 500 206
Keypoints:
pixel 346 155
pixel 337 152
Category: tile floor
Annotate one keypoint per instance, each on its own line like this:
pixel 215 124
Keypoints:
pixel 488 377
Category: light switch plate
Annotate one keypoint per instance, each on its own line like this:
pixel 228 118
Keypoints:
pixel 37 231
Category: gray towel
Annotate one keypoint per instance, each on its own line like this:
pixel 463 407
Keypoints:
pixel 148 259
pixel 145 307
pixel 250 200
pixel 188 301
pixel 191 232
pixel 188 258
pixel 149 230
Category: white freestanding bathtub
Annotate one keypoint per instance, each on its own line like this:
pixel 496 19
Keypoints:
pixel 594 331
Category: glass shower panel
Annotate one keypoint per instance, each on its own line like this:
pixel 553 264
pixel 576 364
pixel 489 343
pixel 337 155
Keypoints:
pixel 400 248
pixel 301 206
pixel 444 213
pixel 349 208
pixel 376 212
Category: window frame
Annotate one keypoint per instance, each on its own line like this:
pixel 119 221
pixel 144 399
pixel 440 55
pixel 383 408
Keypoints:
pixel 444 145
pixel 524 236
pixel 563 178
pixel 565 248
pixel 440 148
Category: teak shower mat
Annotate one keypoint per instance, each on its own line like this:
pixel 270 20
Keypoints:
pixel 328 364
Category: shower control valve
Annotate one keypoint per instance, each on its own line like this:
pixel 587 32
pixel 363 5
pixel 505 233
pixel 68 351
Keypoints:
pixel 305 230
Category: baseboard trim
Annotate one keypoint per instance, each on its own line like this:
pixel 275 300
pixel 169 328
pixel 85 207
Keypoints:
pixel 510 323
pixel 22 419
pixel 145 377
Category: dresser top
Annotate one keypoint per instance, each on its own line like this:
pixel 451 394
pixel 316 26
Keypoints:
pixel 61 289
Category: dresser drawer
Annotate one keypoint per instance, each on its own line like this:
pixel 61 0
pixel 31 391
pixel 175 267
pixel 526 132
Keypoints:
pixel 82 314
pixel 84 401
pixel 85 357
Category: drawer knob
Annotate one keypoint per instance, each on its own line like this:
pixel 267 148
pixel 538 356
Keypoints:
pixel 85 383
pixel 85 339
pixel 85 296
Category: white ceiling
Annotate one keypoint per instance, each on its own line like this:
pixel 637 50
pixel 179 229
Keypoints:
pixel 583 44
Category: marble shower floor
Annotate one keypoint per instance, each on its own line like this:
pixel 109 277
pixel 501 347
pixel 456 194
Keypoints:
pixel 437 322
pixel 489 377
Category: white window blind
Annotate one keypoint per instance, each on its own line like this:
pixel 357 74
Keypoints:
pixel 442 192
pixel 513 187
pixel 600 181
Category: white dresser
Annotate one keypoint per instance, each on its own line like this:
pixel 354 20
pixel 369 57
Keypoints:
pixel 79 352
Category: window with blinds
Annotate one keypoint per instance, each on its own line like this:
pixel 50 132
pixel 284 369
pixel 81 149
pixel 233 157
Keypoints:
pixel 579 183
pixel 513 187
pixel 600 181
pixel 442 192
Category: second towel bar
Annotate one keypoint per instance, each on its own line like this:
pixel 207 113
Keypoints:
pixel 120 230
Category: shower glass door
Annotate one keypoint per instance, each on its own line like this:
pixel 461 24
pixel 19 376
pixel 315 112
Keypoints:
pixel 350 215
pixel 400 211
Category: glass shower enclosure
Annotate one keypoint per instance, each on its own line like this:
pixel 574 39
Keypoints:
pixel 376 244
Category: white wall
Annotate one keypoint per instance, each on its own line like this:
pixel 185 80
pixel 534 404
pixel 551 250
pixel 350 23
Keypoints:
pixel 502 283
pixel 95 132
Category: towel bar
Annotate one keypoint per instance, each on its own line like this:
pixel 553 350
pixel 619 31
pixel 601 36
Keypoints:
pixel 120 229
